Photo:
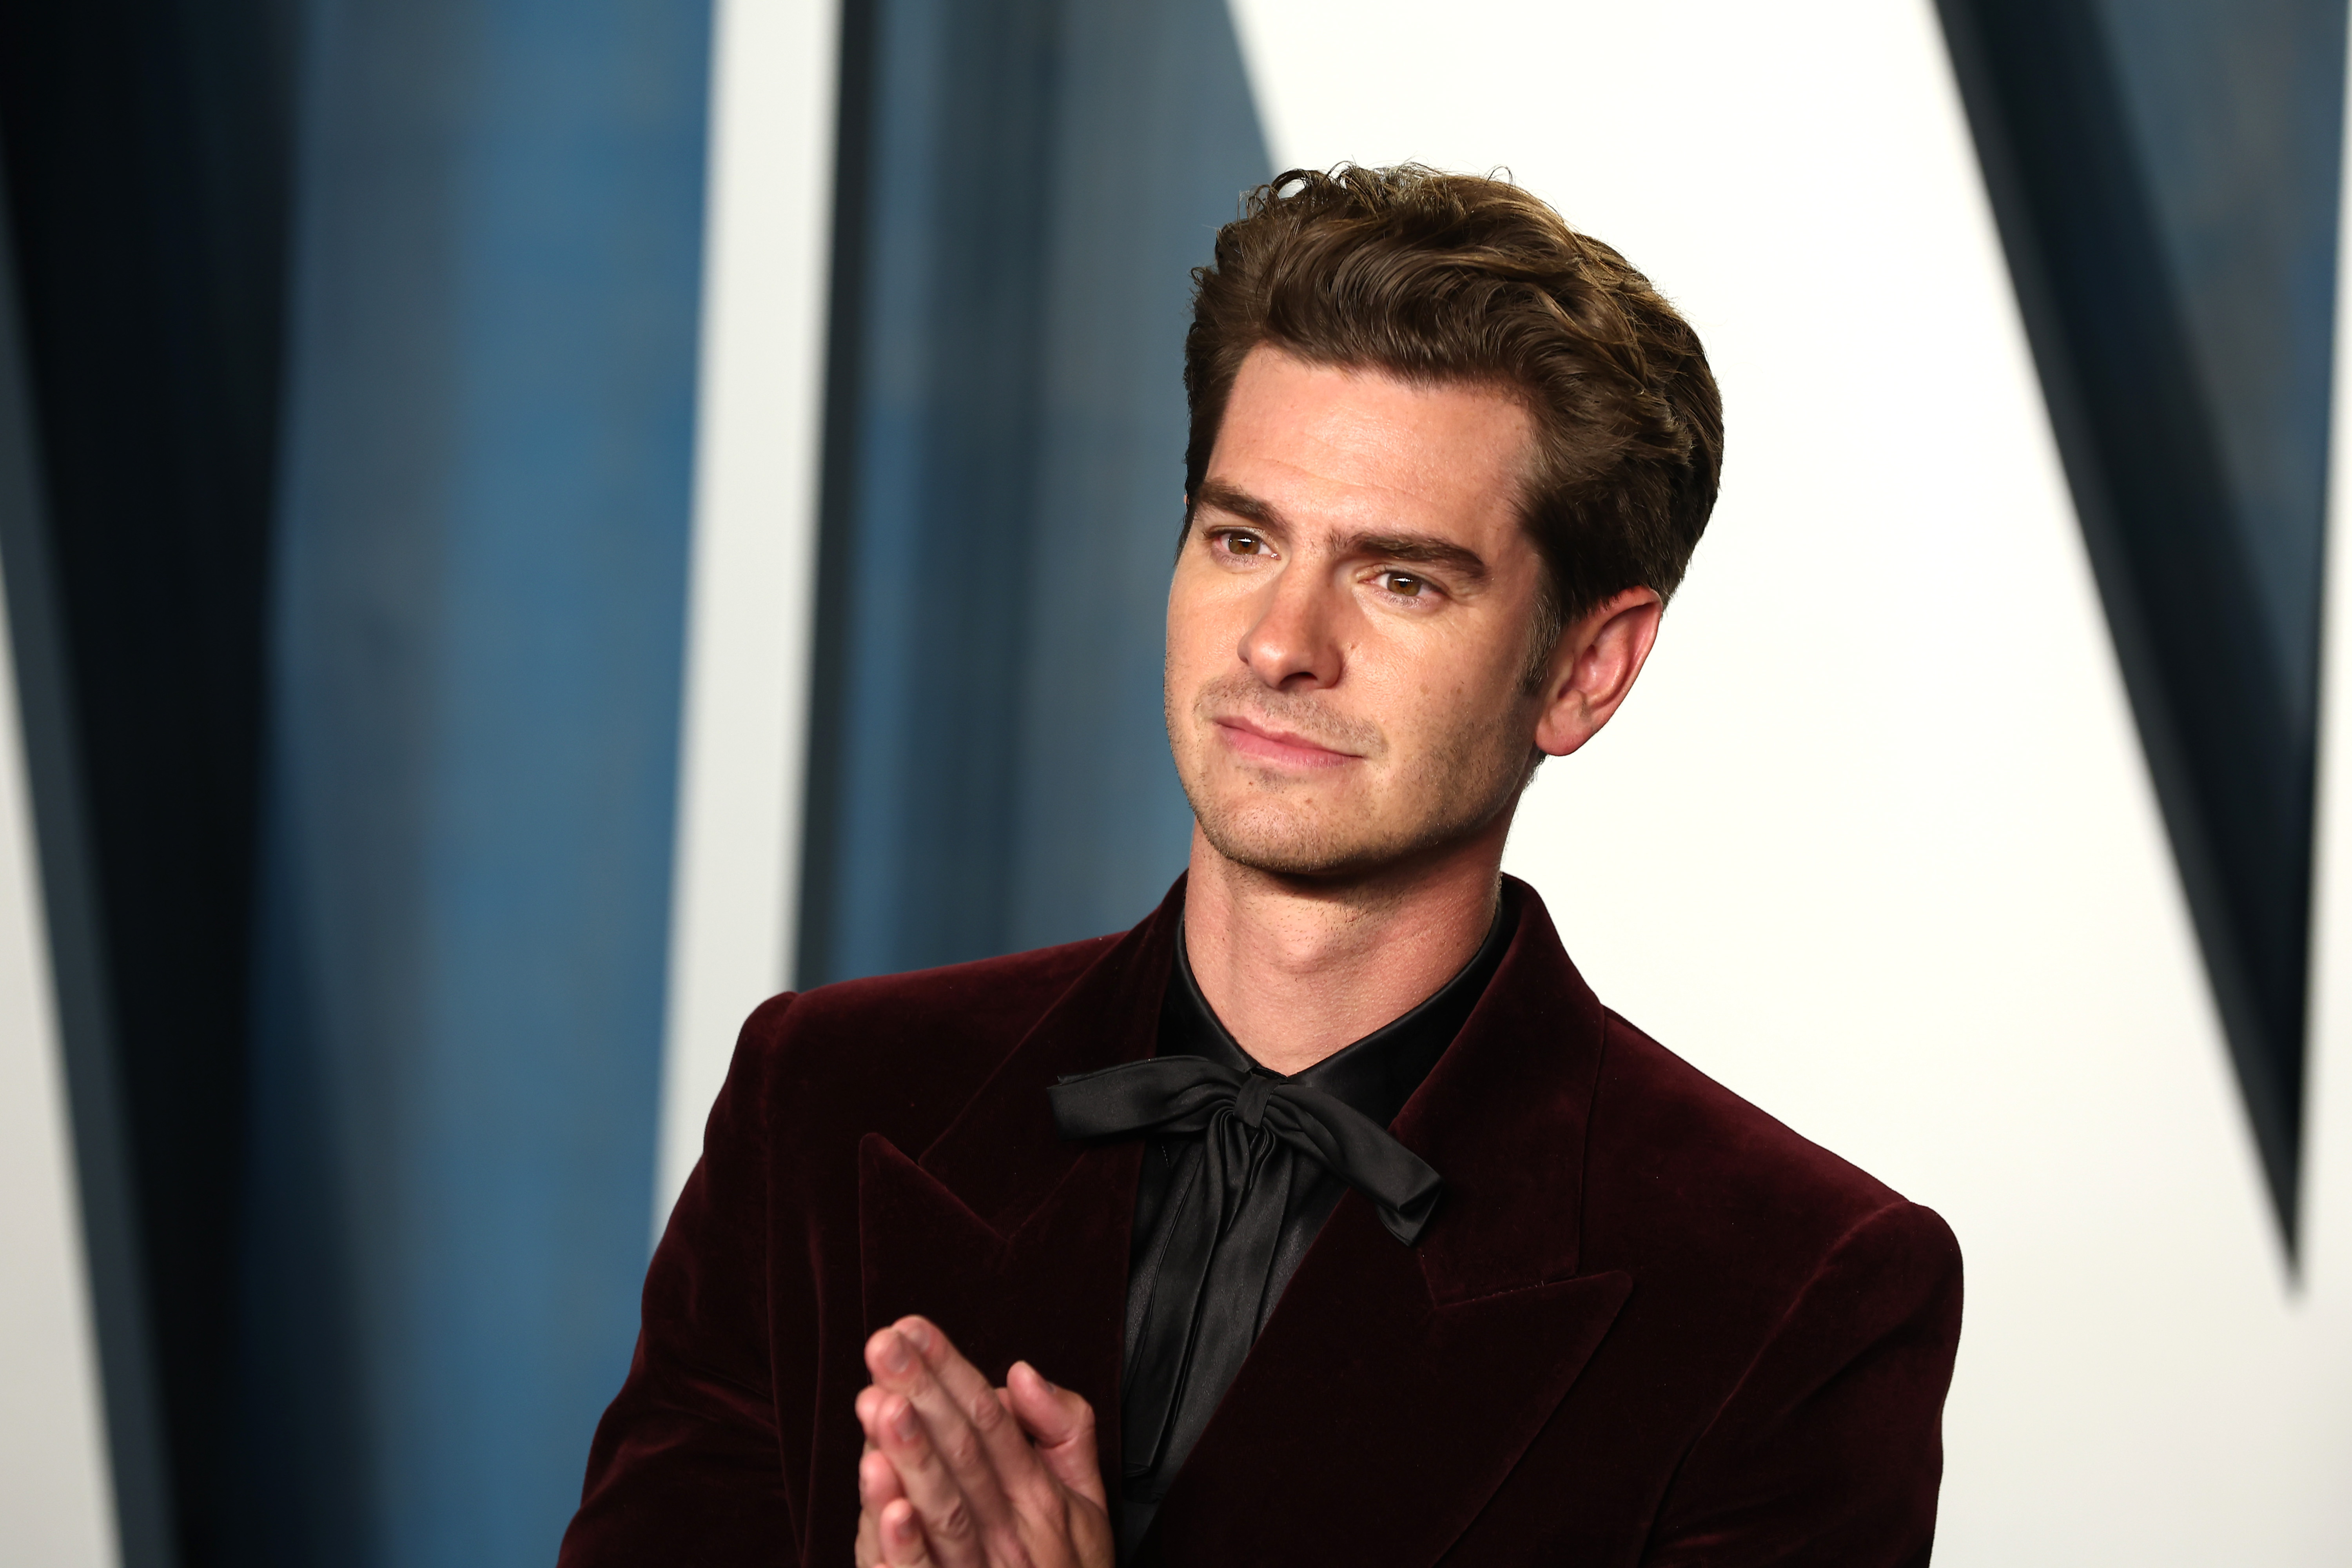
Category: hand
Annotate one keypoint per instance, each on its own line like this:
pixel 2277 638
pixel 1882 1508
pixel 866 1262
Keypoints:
pixel 956 1474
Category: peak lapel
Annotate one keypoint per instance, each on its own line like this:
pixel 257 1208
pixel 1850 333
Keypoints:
pixel 1014 1241
pixel 1002 1155
pixel 1393 1389
pixel 1501 1117
pixel 1051 1293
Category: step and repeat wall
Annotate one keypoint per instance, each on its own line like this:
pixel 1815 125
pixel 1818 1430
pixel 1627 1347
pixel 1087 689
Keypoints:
pixel 683 513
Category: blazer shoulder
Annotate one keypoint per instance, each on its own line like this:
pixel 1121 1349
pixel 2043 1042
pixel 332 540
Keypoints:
pixel 1675 1153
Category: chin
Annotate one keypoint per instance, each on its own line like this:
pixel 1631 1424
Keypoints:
pixel 1297 844
pixel 1284 854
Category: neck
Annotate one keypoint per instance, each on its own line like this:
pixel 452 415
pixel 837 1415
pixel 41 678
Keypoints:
pixel 1298 968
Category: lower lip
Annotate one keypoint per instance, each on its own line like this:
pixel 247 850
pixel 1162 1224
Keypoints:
pixel 1250 743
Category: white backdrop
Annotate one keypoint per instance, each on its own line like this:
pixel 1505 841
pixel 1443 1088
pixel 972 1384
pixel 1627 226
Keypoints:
pixel 751 620
pixel 56 1499
pixel 1873 843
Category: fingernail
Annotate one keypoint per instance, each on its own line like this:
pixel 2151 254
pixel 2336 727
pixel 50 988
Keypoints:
pixel 894 1353
pixel 902 1424
pixel 917 1334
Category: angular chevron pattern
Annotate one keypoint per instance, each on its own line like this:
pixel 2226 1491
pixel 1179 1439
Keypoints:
pixel 2172 237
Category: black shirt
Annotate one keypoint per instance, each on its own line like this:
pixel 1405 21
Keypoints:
pixel 1203 1349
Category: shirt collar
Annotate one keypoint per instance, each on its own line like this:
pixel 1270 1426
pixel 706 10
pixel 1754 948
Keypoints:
pixel 1375 1074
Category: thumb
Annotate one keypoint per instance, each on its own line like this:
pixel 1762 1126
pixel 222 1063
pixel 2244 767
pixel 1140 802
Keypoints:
pixel 1062 1425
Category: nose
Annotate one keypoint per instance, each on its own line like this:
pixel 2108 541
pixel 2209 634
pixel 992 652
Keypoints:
pixel 1294 643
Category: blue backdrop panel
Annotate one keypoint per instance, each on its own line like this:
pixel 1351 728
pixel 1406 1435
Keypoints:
pixel 1024 188
pixel 2166 173
pixel 1149 161
pixel 479 590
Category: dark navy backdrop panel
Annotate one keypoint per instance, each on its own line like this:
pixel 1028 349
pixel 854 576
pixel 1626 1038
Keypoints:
pixel 480 580
pixel 146 151
pixel 2237 111
pixel 139 1458
pixel 2166 174
pixel 1024 188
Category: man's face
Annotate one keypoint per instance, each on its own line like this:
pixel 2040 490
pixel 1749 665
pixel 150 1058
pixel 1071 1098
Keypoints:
pixel 1347 629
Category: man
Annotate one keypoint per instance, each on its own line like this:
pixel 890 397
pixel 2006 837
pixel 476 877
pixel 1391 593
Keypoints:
pixel 1326 1216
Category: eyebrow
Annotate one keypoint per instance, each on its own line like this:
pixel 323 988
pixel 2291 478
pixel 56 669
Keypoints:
pixel 1220 497
pixel 1421 548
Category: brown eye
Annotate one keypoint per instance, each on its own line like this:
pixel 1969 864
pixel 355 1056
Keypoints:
pixel 1404 584
pixel 1244 544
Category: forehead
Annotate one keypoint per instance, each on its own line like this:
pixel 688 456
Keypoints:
pixel 1358 448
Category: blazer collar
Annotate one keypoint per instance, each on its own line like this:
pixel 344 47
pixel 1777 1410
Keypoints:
pixel 1501 1117
pixel 1002 1155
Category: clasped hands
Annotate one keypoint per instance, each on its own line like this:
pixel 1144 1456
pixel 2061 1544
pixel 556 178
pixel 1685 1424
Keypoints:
pixel 956 1474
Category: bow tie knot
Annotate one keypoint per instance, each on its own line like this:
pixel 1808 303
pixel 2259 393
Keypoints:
pixel 1186 1094
pixel 1249 1104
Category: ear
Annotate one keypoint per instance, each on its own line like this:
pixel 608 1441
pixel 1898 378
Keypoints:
pixel 1594 667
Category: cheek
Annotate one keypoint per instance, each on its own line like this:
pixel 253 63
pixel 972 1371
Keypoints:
pixel 1448 703
pixel 1202 628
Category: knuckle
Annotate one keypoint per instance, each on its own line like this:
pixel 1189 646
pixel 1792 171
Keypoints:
pixel 956 1525
pixel 961 1448
pixel 1041 1495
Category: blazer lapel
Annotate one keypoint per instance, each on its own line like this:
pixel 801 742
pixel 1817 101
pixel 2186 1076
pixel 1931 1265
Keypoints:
pixel 1050 1293
pixel 1393 1389
pixel 1014 1241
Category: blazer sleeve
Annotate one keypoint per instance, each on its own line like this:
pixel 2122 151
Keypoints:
pixel 1830 1450
pixel 687 1466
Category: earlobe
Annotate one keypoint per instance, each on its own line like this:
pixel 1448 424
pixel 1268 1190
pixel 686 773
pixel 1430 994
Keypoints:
pixel 1567 721
pixel 1602 656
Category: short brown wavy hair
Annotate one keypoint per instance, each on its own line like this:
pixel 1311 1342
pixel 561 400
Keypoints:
pixel 1438 277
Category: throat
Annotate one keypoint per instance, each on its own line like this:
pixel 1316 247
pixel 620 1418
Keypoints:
pixel 1296 975
pixel 1386 1006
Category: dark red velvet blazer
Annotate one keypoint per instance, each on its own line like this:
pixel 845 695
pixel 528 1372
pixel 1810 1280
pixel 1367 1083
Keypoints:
pixel 1647 1324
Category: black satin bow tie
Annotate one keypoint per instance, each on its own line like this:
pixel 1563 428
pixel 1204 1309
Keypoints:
pixel 1192 1094
pixel 1207 1288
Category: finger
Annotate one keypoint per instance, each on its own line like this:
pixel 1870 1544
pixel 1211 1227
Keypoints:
pixel 877 1488
pixel 979 1444
pixel 949 1523
pixel 1062 1426
pixel 903 1542
pixel 1006 1463
pixel 878 1481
